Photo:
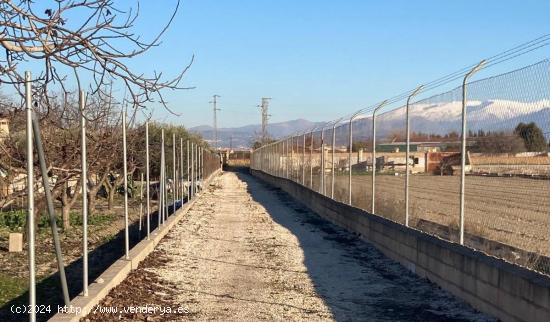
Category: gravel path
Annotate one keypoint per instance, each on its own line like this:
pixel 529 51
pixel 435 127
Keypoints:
pixel 246 251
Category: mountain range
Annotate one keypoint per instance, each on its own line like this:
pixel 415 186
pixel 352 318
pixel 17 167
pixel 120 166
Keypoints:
pixel 427 117
pixel 245 136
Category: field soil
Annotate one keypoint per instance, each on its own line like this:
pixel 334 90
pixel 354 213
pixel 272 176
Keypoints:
pixel 246 252
pixel 509 210
pixel 106 245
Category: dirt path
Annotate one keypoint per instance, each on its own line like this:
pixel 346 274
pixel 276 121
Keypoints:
pixel 247 252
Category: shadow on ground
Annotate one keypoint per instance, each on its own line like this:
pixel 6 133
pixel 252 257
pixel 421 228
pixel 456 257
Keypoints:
pixel 48 290
pixel 355 280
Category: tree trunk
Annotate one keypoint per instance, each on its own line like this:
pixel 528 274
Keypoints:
pixel 65 207
pixel 92 198
pixel 112 189
pixel 111 199
pixel 93 188
pixel 65 215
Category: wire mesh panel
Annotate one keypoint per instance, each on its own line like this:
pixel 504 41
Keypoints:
pixel 508 166
pixel 341 163
pixel 211 163
pixel 390 165
pixel 315 153
pixel 295 158
pixel 360 160
pixel 434 187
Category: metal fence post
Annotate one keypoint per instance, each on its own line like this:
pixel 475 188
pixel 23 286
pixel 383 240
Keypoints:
pixel 290 167
pixel 181 171
pixel 282 157
pixel 297 158
pixel 322 190
pixel 140 203
pixel 164 179
pixel 192 169
pixel 50 206
pixel 30 198
pixel 197 168
pixel 350 140
pixel 287 156
pixel 304 161
pixel 147 179
pixel 463 148
pixel 125 174
pixel 174 162
pixel 350 150
pixel 311 161
pixel 374 155
pixel 407 153
pixel 274 148
pixel 161 181
pixel 332 155
pixel 282 143
pixel 188 189
pixel 84 181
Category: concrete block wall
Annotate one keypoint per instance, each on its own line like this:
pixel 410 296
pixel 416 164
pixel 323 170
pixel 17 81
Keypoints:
pixel 499 288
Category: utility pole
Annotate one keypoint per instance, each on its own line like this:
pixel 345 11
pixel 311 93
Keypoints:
pixel 214 102
pixel 265 116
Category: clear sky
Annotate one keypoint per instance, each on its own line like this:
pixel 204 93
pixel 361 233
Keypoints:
pixel 322 59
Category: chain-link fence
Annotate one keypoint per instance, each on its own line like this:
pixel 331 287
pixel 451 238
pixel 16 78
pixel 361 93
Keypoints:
pixel 471 165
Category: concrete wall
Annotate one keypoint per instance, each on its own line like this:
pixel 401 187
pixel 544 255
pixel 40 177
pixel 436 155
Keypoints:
pixel 507 291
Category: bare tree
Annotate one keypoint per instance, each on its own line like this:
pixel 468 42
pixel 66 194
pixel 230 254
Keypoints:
pixel 87 36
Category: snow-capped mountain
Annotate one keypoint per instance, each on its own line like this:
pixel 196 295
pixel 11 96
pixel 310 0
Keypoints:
pixel 445 117
pixel 426 117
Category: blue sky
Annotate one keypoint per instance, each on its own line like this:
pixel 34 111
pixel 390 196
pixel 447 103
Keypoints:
pixel 323 59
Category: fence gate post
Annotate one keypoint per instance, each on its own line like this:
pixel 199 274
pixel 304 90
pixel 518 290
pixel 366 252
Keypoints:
pixel 463 148
pixel 407 125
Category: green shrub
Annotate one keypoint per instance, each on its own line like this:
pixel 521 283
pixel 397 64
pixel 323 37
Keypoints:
pixel 13 220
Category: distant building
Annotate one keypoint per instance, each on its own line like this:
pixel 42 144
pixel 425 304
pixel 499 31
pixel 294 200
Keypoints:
pixel 395 147
pixel 4 126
